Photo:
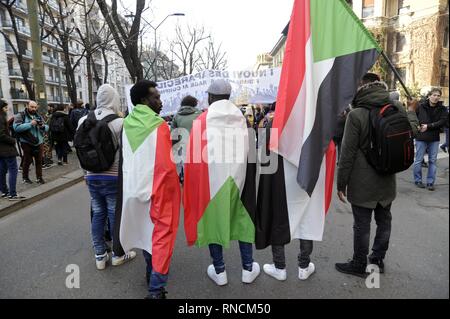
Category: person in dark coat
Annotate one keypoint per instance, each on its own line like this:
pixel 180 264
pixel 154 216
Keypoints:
pixel 61 131
pixel 432 117
pixel 367 190
pixel 8 154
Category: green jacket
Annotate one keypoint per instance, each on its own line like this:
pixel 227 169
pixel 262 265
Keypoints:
pixel 184 119
pixel 365 187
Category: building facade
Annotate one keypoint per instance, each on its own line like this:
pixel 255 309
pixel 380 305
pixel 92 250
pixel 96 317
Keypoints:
pixel 12 87
pixel 413 33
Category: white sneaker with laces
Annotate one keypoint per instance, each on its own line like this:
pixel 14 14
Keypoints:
pixel 249 276
pixel 100 261
pixel 278 274
pixel 303 274
pixel 220 279
pixel 119 260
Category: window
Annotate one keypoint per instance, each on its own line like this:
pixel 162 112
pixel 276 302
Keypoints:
pixel 402 8
pixel 368 8
pixel 400 42
pixel 446 38
pixel 444 75
pixel 10 63
pixel 402 73
pixel 50 73
pixel 81 95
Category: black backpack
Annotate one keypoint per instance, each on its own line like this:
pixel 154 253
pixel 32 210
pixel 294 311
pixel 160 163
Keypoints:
pixel 391 148
pixel 94 143
pixel 57 124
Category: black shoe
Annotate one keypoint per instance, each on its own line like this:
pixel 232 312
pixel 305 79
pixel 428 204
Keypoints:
pixel 16 198
pixel 27 181
pixel 424 164
pixel 377 261
pixel 59 163
pixel 5 195
pixel 159 295
pixel 419 184
pixel 430 187
pixel 443 148
pixel 352 268
pixel 40 181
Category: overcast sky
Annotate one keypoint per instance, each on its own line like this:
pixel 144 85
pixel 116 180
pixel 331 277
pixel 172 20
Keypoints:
pixel 245 27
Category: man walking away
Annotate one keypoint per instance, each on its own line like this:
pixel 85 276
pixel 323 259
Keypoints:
pixel 61 131
pixel 187 113
pixel 103 185
pixel 367 190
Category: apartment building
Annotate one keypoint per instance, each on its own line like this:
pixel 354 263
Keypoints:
pixel 12 87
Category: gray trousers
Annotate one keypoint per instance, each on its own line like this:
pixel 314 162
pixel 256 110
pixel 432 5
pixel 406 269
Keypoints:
pixel 279 258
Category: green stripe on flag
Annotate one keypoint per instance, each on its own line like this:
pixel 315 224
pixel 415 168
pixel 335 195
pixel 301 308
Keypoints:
pixel 337 31
pixel 225 219
pixel 140 124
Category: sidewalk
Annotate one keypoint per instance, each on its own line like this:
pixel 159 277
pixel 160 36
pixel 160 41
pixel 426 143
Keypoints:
pixel 56 179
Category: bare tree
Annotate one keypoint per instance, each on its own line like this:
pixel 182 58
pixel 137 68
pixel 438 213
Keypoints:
pixel 126 38
pixel 186 45
pixel 212 57
pixel 18 47
pixel 63 32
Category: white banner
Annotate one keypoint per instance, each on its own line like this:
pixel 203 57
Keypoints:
pixel 248 87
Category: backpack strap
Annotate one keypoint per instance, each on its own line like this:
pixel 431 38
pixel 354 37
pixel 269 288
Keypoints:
pixel 109 118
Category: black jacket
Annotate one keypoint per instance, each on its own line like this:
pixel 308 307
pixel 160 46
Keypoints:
pixel 7 143
pixel 68 129
pixel 435 117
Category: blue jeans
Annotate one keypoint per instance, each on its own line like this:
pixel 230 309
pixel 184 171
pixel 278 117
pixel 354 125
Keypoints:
pixel 216 253
pixel 432 149
pixel 8 164
pixel 103 203
pixel 156 281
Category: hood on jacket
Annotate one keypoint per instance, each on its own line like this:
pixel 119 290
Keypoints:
pixel 373 94
pixel 187 110
pixel 108 99
pixel 59 114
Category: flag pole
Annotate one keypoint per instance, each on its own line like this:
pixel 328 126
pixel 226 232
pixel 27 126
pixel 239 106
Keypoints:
pixel 397 75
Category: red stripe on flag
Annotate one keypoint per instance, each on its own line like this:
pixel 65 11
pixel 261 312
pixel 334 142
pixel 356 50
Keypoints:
pixel 165 202
pixel 196 195
pixel 329 174
pixel 294 65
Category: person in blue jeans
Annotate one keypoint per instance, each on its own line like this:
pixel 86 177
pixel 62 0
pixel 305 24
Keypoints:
pixel 432 117
pixel 444 146
pixel 103 186
pixel 8 154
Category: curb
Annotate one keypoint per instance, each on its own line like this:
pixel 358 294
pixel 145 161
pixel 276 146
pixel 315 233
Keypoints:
pixel 38 193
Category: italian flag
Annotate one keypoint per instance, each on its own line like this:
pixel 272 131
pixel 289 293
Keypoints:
pixel 328 50
pixel 150 187
pixel 219 186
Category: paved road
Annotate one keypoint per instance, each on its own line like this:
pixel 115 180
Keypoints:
pixel 37 243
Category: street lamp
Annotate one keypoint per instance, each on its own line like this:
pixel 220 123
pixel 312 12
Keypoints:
pixel 177 14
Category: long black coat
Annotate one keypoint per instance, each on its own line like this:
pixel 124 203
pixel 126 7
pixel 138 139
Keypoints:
pixel 7 143
pixel 68 129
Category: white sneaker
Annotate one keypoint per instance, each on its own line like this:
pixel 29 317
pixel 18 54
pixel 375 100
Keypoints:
pixel 278 274
pixel 303 274
pixel 119 260
pixel 249 276
pixel 220 279
pixel 100 261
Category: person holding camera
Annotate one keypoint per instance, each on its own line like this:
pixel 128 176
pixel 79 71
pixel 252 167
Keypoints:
pixel 30 128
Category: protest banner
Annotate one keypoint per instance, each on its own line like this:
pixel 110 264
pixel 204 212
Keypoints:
pixel 255 87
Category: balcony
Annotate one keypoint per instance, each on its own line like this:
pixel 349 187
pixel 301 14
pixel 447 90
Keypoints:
pixel 18 95
pixel 15 72
pixel 21 7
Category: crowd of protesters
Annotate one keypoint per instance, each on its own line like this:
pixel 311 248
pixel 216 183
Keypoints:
pixel 35 137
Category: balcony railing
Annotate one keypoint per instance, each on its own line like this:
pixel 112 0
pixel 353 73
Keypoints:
pixel 17 95
pixel 15 72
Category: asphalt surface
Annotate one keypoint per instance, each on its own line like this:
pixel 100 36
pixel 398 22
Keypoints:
pixel 38 243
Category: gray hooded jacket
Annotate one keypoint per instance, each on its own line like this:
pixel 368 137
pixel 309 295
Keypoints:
pixel 108 102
